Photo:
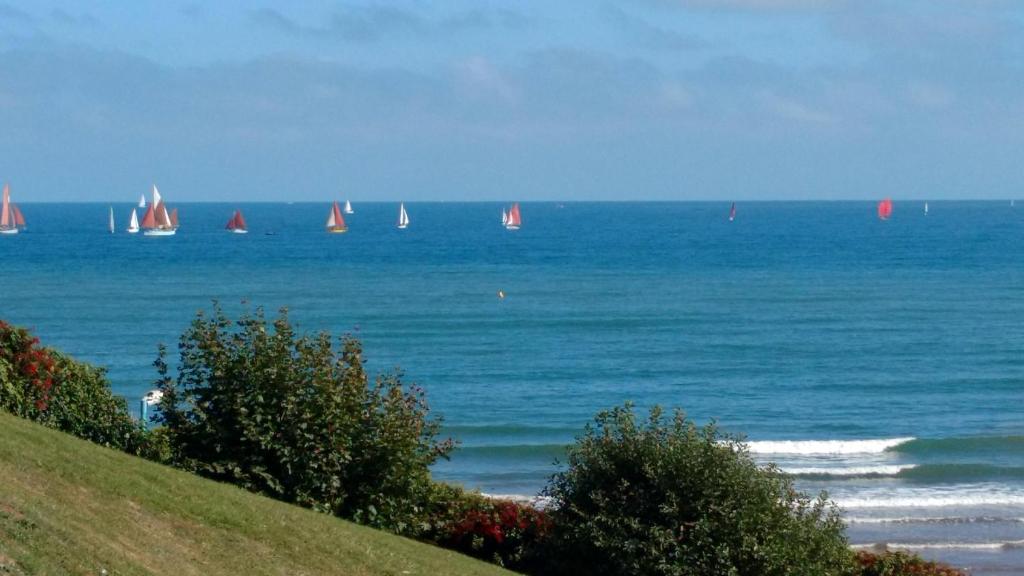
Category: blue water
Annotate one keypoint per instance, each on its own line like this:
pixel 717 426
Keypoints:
pixel 798 322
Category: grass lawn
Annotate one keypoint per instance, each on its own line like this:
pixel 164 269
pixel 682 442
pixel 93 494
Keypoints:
pixel 71 507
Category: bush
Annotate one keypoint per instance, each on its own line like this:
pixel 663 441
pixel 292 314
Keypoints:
pixel 499 531
pixel 286 416
pixel 45 386
pixel 677 499
pixel 900 564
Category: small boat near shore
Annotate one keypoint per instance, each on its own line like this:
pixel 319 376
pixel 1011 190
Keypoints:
pixel 335 221
pixel 11 219
pixel 237 224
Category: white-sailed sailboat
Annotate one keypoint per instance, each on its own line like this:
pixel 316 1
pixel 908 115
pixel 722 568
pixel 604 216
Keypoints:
pixel 348 208
pixel 133 225
pixel 403 217
pixel 157 222
pixel 504 217
pixel 11 220
pixel 925 208
pixel 142 201
pixel 111 220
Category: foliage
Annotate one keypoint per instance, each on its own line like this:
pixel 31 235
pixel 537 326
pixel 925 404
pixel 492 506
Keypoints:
pixel 287 416
pixel 900 564
pixel 500 531
pixel 672 498
pixel 48 387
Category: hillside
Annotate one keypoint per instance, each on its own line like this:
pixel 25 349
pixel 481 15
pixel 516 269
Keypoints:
pixel 71 507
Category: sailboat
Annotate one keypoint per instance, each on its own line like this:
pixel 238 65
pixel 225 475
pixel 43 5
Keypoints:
pixel 514 220
pixel 885 209
pixel 336 222
pixel 348 208
pixel 504 217
pixel 11 220
pixel 133 225
pixel 111 219
pixel 157 222
pixel 142 201
pixel 925 208
pixel 732 212
pixel 403 217
pixel 237 224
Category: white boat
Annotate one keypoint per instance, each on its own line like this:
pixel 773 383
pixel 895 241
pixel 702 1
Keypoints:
pixel 335 221
pixel 348 208
pixel 11 219
pixel 514 220
pixel 157 222
pixel 133 225
pixel 925 208
pixel 403 217
pixel 111 219
pixel 142 200
pixel 237 224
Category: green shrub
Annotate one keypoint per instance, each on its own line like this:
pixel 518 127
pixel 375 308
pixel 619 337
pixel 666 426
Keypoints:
pixel 900 564
pixel 287 416
pixel 672 498
pixel 48 387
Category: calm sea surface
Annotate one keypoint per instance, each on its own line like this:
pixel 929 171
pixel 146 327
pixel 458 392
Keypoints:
pixel 882 361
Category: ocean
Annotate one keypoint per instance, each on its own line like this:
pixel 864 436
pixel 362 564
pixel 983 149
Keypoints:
pixel 882 361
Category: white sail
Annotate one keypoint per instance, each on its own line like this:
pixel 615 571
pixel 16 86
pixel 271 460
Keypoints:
pixel 403 217
pixel 504 217
pixel 348 208
pixel 133 226
pixel 142 201
pixel 926 208
pixel 330 220
pixel 111 219
pixel 165 219
pixel 156 195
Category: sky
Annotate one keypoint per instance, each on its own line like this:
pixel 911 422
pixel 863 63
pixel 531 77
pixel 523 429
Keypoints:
pixel 527 100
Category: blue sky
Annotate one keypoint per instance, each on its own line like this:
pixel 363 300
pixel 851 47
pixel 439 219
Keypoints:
pixel 479 100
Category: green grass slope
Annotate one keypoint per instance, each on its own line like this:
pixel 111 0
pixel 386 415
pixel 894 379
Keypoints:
pixel 71 507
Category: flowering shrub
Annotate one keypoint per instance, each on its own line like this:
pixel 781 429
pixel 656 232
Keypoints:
pixel 900 564
pixel 43 385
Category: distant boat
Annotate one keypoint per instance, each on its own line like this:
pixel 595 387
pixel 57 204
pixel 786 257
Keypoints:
pixel 504 217
pixel 11 220
pixel 237 224
pixel 111 219
pixel 885 209
pixel 133 225
pixel 348 208
pixel 925 208
pixel 403 217
pixel 514 220
pixel 157 222
pixel 142 201
pixel 336 222
pixel 732 212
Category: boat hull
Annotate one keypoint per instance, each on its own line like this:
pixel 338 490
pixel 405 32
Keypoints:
pixel 132 230
pixel 239 231
pixel 511 227
pixel 403 226
pixel 159 232
pixel 8 230
pixel 337 230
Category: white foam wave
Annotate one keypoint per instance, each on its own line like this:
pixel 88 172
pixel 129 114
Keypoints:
pixel 825 447
pixel 993 546
pixel 881 470
pixel 952 496
pixel 933 520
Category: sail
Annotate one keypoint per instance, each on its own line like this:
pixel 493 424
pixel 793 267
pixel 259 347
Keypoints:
pixel 885 209
pixel 925 207
pixel 160 213
pixel 239 220
pixel 5 210
pixel 514 219
pixel 732 212
pixel 142 201
pixel 174 218
pixel 330 218
pixel 156 195
pixel 149 218
pixel 403 217
pixel 504 217
pixel 19 220
pixel 111 219
pixel 133 226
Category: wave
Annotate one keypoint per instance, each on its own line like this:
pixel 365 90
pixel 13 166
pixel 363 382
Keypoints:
pixel 812 472
pixel 825 447
pixel 932 473
pixel 993 546
pixel 966 496
pixel 976 444
pixel 934 520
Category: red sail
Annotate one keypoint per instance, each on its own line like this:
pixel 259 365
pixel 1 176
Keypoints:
pixel 19 220
pixel 732 212
pixel 885 209
pixel 149 220
pixel 239 221
pixel 174 218
pixel 5 216
pixel 513 216
pixel 231 223
pixel 339 221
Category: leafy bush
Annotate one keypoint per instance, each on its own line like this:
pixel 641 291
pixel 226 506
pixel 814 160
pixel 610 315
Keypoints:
pixel 286 416
pixel 50 388
pixel 672 498
pixel 499 531
pixel 900 564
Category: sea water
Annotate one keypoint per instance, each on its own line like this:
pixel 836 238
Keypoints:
pixel 882 361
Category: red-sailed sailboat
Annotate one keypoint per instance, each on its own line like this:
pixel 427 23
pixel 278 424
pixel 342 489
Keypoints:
pixel 732 212
pixel 237 224
pixel 514 220
pixel 335 221
pixel 11 220
pixel 157 222
pixel 885 209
